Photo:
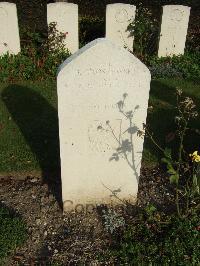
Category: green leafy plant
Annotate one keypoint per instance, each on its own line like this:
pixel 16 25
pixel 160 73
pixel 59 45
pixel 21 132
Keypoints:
pixel 165 241
pixel 38 59
pixel 150 211
pixel 193 37
pixel 55 41
pixel 183 66
pixel 145 30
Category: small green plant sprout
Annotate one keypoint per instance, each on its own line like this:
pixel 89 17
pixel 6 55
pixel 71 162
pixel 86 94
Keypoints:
pixel 112 220
pixel 150 211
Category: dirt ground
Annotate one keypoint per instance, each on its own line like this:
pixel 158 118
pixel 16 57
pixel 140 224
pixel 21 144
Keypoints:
pixel 71 239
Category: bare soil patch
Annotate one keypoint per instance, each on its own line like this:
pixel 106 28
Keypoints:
pixel 72 238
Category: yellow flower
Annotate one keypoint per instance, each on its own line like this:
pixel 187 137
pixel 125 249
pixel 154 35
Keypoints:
pixel 195 157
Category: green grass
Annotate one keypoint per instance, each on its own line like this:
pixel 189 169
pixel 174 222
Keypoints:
pixel 12 232
pixel 29 128
pixel 29 140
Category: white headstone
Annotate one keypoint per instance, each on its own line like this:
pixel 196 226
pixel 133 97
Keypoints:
pixel 9 30
pixel 118 18
pixel 174 27
pixel 100 151
pixel 66 17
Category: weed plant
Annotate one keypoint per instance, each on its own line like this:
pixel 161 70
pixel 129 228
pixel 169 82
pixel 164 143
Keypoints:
pixel 157 238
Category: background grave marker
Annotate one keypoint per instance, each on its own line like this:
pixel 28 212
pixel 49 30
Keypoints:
pixel 174 27
pixel 9 30
pixel 118 18
pixel 66 17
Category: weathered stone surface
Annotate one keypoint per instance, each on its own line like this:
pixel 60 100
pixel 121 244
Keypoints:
pixel 118 18
pixel 98 88
pixel 174 27
pixel 66 17
pixel 9 31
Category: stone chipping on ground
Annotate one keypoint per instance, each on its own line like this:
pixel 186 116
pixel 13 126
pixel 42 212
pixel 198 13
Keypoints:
pixel 71 238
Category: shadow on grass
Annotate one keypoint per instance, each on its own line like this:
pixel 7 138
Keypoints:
pixel 38 122
pixel 161 119
pixel 163 92
pixel 8 212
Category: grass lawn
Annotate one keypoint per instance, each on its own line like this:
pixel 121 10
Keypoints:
pixel 12 232
pixel 29 142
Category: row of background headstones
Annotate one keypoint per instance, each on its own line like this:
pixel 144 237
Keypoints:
pixel 91 171
pixel 173 33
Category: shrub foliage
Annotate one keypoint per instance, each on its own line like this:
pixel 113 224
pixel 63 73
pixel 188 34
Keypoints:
pixel 38 60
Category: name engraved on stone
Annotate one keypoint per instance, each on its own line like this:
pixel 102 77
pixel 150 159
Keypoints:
pixel 177 15
pixel 105 107
pixel 105 70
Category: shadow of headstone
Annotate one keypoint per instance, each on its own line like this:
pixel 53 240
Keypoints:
pixel 38 123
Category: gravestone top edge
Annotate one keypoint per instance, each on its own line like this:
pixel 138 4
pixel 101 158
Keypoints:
pixel 92 44
pixel 177 6
pixel 62 4
pixel 119 4
pixel 7 3
pixel 79 52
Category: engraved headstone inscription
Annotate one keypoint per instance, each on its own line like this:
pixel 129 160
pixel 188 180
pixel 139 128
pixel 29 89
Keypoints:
pixel 118 18
pixel 173 32
pixel 103 93
pixel 9 31
pixel 65 15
